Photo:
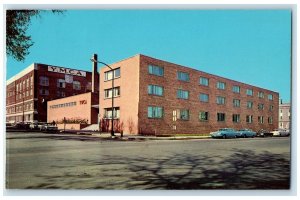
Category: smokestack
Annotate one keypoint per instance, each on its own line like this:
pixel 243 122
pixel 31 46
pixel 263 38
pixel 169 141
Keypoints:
pixel 95 75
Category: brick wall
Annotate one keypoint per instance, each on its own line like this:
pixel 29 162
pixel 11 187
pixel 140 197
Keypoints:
pixel 129 89
pixel 169 102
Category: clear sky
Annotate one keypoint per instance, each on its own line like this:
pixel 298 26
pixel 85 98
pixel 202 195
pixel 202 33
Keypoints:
pixel 251 46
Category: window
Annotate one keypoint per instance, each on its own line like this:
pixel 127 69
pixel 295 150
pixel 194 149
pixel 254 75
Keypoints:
pixel 27 93
pixel 260 106
pixel 61 93
pixel 203 97
pixel 249 119
pixel 117 72
pixel 155 112
pixel 108 92
pixel 261 95
pixel 27 82
pixel 184 114
pixel 220 117
pixel 109 74
pixel 270 120
pixel 108 113
pixel 183 76
pixel 61 83
pixel 236 103
pixel 271 107
pixel 44 81
pixel 236 89
pixel 155 90
pixel 156 70
pixel 260 119
pixel 220 100
pixel 182 94
pixel 221 85
pixel 204 81
pixel 203 116
pixel 44 92
pixel 249 104
pixel 31 80
pixel 249 92
pixel 31 92
pixel 76 85
pixel 236 118
pixel 270 97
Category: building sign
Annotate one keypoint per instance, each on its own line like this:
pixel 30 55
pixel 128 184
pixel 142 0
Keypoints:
pixel 66 71
pixel 83 102
pixel 62 105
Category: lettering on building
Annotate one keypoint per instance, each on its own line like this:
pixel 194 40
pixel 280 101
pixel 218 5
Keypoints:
pixel 66 71
pixel 83 102
pixel 63 105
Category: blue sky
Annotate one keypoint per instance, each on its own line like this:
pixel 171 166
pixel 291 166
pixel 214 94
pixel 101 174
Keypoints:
pixel 251 46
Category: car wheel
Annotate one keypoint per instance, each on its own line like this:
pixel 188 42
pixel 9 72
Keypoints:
pixel 224 136
pixel 244 136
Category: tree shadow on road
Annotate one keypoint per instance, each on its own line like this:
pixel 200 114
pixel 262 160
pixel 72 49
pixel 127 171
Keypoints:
pixel 243 169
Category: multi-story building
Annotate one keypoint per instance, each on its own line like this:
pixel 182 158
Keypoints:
pixel 284 115
pixel 152 96
pixel 28 92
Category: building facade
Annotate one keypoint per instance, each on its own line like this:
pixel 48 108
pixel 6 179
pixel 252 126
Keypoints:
pixel 78 109
pixel 28 92
pixel 154 97
pixel 284 116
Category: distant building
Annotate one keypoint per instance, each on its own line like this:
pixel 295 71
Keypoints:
pixel 28 92
pixel 153 96
pixel 284 115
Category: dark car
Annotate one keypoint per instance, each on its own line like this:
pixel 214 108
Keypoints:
pixel 22 125
pixel 264 133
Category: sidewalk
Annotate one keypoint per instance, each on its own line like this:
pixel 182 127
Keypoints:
pixel 140 137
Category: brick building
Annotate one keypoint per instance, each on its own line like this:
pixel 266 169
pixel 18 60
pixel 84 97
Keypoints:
pixel 28 92
pixel 284 115
pixel 158 97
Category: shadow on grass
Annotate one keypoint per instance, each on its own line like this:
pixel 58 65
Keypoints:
pixel 241 170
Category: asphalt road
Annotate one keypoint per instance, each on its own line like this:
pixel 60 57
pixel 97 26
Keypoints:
pixel 36 160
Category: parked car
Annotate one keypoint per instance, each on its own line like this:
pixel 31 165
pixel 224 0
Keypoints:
pixel 264 133
pixel 49 127
pixel 246 133
pixel 281 132
pixel 22 125
pixel 36 125
pixel 224 133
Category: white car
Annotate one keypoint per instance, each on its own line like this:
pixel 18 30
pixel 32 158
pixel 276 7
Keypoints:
pixel 280 132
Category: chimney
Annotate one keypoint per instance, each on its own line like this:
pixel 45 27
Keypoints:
pixel 280 101
pixel 95 75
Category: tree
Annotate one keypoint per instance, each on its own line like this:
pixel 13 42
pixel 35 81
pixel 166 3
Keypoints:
pixel 17 23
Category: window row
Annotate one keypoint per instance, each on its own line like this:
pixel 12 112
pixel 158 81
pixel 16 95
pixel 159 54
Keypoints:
pixel 184 76
pixel 19 108
pixel 184 94
pixel 61 83
pixel 184 114
pixel 108 113
pixel 108 93
pixel 109 75
pixel 24 84
pixel 20 96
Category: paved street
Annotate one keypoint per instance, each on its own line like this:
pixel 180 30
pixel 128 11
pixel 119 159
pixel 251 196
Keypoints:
pixel 37 160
